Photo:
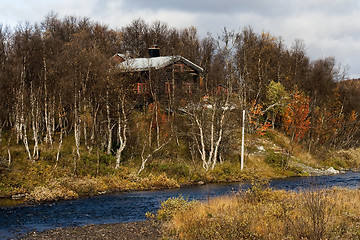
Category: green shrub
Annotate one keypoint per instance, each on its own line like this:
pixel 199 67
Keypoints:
pixel 337 163
pixel 226 172
pixel 259 191
pixel 276 160
pixel 171 206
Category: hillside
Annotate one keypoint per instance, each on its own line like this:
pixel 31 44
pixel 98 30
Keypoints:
pixel 266 157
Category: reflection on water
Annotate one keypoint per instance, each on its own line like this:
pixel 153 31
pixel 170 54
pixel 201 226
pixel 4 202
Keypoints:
pixel 132 206
pixel 8 202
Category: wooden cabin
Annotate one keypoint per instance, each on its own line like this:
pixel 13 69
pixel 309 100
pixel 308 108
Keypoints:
pixel 169 77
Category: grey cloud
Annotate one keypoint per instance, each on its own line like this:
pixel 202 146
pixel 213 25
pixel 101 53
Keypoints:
pixel 214 7
pixel 328 27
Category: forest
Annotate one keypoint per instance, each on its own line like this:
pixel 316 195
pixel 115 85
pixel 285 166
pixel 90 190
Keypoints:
pixel 64 106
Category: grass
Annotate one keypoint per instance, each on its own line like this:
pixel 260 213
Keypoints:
pixel 262 213
pixel 40 181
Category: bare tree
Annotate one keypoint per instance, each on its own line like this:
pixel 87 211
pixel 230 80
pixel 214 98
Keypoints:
pixel 122 130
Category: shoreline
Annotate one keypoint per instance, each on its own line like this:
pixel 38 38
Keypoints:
pixel 101 225
pixel 127 231
pixel 22 201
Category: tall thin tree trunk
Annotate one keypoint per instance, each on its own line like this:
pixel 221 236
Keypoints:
pixel 109 128
pixel 93 127
pixel 157 125
pixel 145 159
pixel 48 136
pixel 9 153
pixel 77 124
pixel 212 140
pixel 18 126
pixel 9 158
pixel 85 126
pixel 122 129
pixel 1 128
pixel 97 161
pixel 61 135
pixel 201 146
pixel 52 118
pixel 35 121
pixel 22 117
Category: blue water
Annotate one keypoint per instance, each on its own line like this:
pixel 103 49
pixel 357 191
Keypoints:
pixel 126 207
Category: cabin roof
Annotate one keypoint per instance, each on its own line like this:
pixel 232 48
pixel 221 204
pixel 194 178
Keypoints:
pixel 145 64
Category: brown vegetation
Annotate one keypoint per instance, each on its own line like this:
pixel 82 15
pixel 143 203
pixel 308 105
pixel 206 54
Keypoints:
pixel 262 213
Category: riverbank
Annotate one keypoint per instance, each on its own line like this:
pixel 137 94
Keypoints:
pixel 266 157
pixel 133 206
pixel 145 230
pixel 262 213
pixel 256 213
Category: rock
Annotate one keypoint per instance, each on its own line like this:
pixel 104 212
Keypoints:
pixel 18 196
pixel 200 183
pixel 261 148
pixel 314 171
pixel 331 171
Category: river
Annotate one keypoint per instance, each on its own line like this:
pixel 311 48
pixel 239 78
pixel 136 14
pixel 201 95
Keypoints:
pixel 126 207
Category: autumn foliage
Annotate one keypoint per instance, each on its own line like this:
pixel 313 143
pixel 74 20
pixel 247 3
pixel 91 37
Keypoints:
pixel 257 124
pixel 296 116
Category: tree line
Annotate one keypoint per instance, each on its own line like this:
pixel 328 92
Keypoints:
pixel 56 82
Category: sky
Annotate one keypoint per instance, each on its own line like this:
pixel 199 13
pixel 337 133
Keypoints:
pixel 328 28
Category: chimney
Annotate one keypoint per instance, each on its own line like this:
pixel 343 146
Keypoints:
pixel 154 51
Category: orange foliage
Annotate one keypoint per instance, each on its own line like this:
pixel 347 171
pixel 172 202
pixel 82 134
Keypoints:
pixel 296 117
pixel 255 115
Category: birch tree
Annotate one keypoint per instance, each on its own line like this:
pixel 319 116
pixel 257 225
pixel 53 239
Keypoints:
pixel 208 119
pixel 122 129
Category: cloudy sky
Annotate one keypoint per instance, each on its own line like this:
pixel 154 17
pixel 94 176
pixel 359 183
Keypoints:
pixel 327 27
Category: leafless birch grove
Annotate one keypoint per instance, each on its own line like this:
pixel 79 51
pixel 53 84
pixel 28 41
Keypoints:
pixel 60 88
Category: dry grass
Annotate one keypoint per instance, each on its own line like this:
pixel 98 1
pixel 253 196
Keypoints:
pixel 351 157
pixel 69 187
pixel 261 213
pixel 51 193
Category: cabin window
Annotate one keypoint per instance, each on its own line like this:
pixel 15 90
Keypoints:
pixel 142 88
pixel 169 87
pixel 179 67
pixel 187 87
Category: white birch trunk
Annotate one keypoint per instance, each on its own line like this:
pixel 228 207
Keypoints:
pixel 212 137
pixel 157 125
pixel 77 124
pixel 22 117
pixel 48 135
pixel 93 128
pixel 122 129
pixel 25 137
pixel 52 118
pixel 109 128
pixel 217 143
pixel 9 158
pixel 201 146
pixel 18 126
pixel 85 126
pixel 145 159
pixel 35 121
pixel 60 138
